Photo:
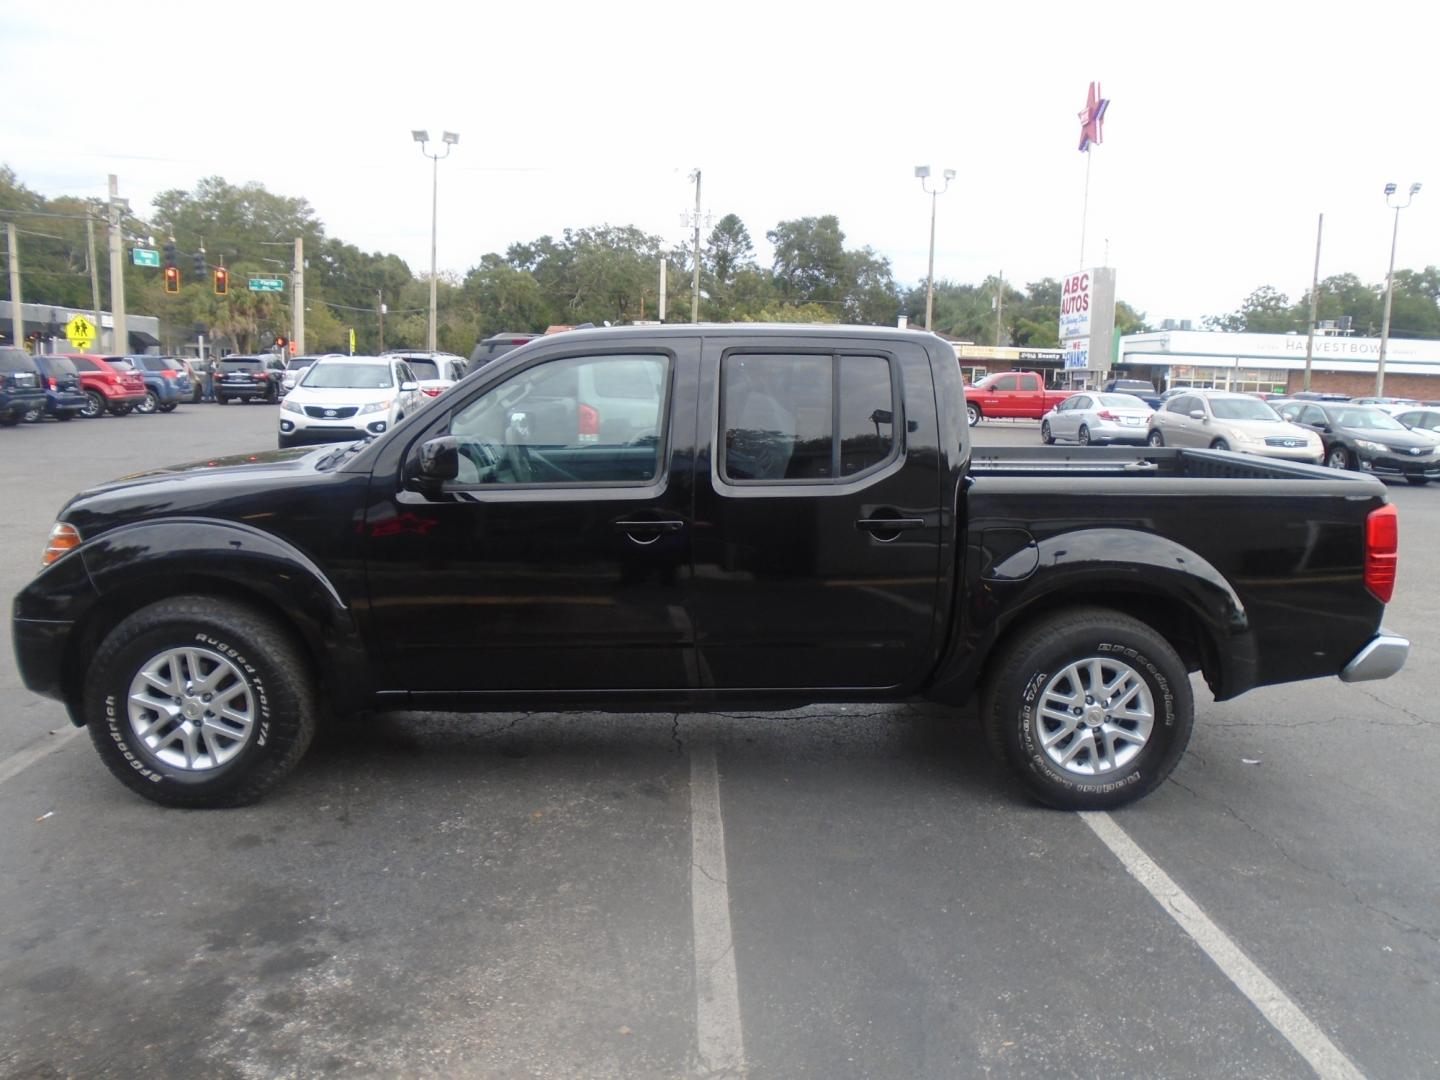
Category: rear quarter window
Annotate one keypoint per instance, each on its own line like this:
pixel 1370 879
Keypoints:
pixel 16 360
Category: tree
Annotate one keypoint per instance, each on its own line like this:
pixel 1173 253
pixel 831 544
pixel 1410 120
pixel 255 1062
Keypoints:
pixel 728 250
pixel 810 264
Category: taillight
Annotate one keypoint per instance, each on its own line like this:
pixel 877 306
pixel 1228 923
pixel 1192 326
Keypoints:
pixel 259 376
pixel 431 391
pixel 1106 414
pixel 1382 552
pixel 168 373
pixel 53 384
pixel 588 422
pixel 63 538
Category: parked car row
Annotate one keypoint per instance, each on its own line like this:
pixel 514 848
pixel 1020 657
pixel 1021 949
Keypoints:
pixel 1386 439
pixel 67 385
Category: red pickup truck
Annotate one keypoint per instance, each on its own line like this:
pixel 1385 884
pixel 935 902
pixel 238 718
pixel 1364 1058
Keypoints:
pixel 1012 395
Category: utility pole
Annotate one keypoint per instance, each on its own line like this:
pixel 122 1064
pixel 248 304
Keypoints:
pixel 297 280
pixel 999 308
pixel 17 321
pixel 119 335
pixel 94 272
pixel 663 267
pixel 695 281
pixel 380 315
pixel 1314 303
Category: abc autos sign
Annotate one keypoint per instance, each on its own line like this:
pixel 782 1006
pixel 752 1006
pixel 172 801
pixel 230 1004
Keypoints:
pixel 1075 305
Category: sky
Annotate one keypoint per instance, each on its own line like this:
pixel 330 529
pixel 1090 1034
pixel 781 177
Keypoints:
pixel 1230 128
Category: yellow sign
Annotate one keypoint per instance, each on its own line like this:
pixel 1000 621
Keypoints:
pixel 80 332
pixel 352 341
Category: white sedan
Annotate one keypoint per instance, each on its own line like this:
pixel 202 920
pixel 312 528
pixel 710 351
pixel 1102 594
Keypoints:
pixel 343 398
pixel 1091 418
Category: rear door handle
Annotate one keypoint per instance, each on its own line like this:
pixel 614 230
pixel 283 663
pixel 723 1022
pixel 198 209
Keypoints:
pixel 876 525
pixel 648 526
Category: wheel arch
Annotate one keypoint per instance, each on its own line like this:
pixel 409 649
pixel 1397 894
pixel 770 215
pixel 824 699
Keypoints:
pixel 133 567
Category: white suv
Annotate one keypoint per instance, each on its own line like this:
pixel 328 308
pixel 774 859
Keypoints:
pixel 342 398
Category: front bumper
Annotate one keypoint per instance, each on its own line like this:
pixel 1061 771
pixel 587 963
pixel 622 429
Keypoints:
pixel 1310 455
pixel 309 436
pixel 1389 463
pixel 1381 657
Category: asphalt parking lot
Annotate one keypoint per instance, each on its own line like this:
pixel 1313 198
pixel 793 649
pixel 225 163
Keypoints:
pixel 835 892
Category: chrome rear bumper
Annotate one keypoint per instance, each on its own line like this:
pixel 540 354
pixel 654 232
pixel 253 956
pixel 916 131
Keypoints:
pixel 1382 657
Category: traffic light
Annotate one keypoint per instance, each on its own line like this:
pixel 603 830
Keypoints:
pixel 199 264
pixel 172 279
pixel 170 253
pixel 222 281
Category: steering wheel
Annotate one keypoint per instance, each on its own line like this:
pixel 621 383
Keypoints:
pixel 556 471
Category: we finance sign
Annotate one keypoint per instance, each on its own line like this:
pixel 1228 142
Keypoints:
pixel 1075 306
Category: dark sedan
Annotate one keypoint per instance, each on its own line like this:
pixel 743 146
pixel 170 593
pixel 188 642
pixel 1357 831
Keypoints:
pixel 1365 438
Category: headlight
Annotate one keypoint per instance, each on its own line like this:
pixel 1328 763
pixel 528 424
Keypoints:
pixel 64 537
pixel 377 406
pixel 292 406
pixel 1366 444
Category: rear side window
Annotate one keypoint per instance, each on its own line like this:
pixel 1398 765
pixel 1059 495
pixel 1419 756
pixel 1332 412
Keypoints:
pixel 803 418
pixel 1006 382
pixel 84 364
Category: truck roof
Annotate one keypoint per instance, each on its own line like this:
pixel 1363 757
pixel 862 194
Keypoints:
pixel 738 330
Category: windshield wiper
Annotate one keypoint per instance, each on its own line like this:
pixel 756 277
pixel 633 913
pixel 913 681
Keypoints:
pixel 334 458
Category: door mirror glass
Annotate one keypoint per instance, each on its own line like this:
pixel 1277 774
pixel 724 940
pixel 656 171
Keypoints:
pixel 440 459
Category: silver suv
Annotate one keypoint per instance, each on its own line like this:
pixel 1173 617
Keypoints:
pixel 1225 421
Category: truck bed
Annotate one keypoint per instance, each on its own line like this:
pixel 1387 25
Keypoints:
pixel 1169 462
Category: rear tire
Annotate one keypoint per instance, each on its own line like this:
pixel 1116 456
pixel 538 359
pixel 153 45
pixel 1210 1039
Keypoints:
pixel 169 408
pixel 241 715
pixel 1338 458
pixel 1417 481
pixel 121 410
pixel 1045 434
pixel 95 405
pixel 1155 438
pixel 149 405
pixel 1084 436
pixel 34 414
pixel 1109 754
pixel 972 414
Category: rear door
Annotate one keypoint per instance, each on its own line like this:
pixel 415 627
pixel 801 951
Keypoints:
pixel 1030 400
pixel 818 516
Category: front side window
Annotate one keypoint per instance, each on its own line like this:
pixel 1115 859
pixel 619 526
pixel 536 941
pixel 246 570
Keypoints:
pixel 805 418
pixel 564 422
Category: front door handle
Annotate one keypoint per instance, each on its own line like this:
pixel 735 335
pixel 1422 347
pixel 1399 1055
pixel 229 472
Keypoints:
pixel 648 526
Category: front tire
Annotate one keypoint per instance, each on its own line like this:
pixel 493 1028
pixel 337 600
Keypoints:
pixel 1046 436
pixel 1417 481
pixel 972 414
pixel 1219 444
pixel 1090 708
pixel 121 410
pixel 170 407
pixel 200 702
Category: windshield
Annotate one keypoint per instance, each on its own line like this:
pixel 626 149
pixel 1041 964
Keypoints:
pixel 345 376
pixel 1242 409
pixel 1122 401
pixel 1366 418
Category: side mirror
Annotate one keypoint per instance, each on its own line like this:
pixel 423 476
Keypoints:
pixel 1197 414
pixel 409 387
pixel 439 460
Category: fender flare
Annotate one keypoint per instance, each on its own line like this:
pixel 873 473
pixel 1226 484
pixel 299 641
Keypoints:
pixel 152 559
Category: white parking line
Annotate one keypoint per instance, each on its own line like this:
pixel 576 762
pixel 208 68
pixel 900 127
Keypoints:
pixel 21 760
pixel 1327 1059
pixel 717 992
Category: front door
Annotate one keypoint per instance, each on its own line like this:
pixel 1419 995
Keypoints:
pixel 558 559
pixel 818 518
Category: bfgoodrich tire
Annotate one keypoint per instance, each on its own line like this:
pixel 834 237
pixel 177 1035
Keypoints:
pixel 1090 708
pixel 199 701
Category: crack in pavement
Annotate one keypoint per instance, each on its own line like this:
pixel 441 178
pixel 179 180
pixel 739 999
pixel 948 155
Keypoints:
pixel 1400 924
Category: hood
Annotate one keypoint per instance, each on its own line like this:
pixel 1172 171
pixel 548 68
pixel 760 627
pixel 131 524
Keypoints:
pixel 1391 437
pixel 314 395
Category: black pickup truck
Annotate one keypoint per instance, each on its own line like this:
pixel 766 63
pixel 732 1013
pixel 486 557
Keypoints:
pixel 697 517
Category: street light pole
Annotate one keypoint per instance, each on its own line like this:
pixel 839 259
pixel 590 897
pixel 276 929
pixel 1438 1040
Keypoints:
pixel 449 138
pixel 923 173
pixel 1390 284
